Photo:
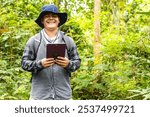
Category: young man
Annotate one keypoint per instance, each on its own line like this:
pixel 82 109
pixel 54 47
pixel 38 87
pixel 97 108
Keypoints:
pixel 50 77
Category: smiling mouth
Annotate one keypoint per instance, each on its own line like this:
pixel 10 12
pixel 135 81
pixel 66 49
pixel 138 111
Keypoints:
pixel 50 21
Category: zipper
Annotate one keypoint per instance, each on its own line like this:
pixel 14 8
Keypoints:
pixel 53 87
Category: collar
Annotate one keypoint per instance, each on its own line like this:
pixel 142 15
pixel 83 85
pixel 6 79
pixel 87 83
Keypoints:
pixel 48 39
pixel 53 38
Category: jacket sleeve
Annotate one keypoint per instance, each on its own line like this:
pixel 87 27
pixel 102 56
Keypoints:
pixel 74 59
pixel 28 60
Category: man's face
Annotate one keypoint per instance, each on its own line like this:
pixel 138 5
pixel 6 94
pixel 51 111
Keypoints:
pixel 50 21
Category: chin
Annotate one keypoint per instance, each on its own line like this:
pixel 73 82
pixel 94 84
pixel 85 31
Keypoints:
pixel 52 28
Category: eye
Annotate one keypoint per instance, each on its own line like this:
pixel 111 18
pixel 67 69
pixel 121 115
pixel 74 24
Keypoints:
pixel 54 15
pixel 51 15
pixel 46 16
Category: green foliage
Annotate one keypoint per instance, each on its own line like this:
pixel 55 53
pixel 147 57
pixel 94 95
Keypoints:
pixel 14 84
pixel 125 55
pixel 16 27
pixel 72 29
pixel 143 93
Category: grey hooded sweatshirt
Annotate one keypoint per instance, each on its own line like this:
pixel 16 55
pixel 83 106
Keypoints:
pixel 52 82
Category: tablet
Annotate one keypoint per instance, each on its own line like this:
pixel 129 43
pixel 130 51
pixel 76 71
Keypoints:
pixel 55 50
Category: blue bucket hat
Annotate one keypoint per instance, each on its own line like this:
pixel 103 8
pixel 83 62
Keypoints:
pixel 51 9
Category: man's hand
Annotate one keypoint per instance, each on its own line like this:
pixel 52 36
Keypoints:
pixel 62 61
pixel 47 62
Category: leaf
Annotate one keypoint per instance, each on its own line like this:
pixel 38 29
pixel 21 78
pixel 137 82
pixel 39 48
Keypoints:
pixel 146 13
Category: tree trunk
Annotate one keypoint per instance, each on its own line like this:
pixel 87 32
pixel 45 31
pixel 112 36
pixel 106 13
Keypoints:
pixel 96 44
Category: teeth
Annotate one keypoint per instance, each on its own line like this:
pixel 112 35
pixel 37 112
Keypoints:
pixel 50 22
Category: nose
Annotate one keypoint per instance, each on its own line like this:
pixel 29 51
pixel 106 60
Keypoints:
pixel 50 16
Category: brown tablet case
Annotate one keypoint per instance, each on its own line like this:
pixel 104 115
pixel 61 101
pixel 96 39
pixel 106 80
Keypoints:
pixel 55 50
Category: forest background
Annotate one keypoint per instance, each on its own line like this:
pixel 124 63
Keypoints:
pixel 123 71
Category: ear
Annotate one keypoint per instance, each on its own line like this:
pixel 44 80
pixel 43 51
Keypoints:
pixel 58 20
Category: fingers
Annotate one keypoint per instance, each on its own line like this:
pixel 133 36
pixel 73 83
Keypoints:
pixel 63 62
pixel 47 62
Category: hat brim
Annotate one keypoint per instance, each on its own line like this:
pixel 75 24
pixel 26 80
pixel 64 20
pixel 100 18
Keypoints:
pixel 62 18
